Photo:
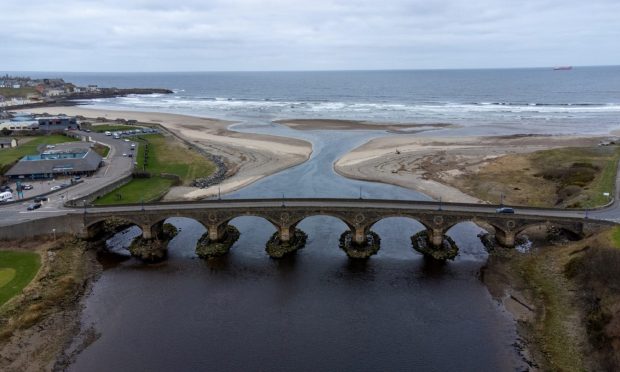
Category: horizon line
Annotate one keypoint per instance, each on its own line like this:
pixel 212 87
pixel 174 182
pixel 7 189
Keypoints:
pixel 294 70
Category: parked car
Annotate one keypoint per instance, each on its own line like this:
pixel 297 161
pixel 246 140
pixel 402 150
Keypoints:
pixel 34 206
pixel 40 199
pixel 54 188
pixel 507 210
pixel 27 186
pixel 4 188
pixel 77 177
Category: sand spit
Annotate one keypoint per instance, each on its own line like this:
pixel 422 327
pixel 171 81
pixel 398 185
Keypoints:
pixel 426 164
pixel 248 156
pixel 333 124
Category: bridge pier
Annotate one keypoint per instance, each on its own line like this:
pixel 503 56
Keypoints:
pixel 360 242
pixel 505 238
pixel 435 244
pixel 152 246
pixel 286 240
pixel 217 240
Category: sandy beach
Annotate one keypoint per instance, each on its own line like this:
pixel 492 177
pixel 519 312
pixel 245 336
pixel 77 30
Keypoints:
pixel 249 157
pixel 334 124
pixel 429 164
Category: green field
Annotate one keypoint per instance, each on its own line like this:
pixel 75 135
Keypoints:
pixel 615 236
pixel 17 93
pixel 28 146
pixel 101 150
pixel 165 156
pixel 112 128
pixel 138 190
pixel 17 269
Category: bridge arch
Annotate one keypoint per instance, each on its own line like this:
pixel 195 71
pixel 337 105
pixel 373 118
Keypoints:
pixel 111 225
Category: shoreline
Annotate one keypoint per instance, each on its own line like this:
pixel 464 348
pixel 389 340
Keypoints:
pixel 428 164
pixel 249 157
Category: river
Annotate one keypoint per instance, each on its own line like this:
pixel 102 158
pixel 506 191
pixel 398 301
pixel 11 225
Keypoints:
pixel 316 310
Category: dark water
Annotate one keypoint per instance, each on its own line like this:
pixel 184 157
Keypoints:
pixel 318 310
pixel 314 311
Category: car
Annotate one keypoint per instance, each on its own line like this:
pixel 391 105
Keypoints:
pixel 506 210
pixel 126 140
pixel 132 149
pixel 54 188
pixel 27 186
pixel 63 185
pixel 130 155
pixel 87 130
pixel 34 206
pixel 77 177
pixel 124 154
pixel 40 199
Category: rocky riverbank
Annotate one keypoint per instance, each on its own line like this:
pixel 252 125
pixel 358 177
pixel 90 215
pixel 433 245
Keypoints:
pixel 39 328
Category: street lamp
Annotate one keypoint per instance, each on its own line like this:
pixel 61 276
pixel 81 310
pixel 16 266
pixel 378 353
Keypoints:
pixel 54 233
pixel 84 201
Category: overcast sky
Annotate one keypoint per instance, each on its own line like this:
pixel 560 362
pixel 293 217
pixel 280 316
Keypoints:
pixel 207 35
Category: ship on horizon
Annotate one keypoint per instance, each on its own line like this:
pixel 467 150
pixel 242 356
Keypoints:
pixel 562 68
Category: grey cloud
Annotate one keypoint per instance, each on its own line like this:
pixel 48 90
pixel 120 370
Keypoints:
pixel 323 34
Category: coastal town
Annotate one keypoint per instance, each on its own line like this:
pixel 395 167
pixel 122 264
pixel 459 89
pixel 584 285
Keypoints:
pixel 22 91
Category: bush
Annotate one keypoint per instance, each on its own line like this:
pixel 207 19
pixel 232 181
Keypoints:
pixel 141 174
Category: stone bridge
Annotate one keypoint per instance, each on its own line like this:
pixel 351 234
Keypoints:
pixel 358 215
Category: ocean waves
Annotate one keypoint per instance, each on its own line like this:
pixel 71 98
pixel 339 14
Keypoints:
pixel 381 109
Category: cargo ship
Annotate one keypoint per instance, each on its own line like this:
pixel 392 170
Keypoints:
pixel 562 68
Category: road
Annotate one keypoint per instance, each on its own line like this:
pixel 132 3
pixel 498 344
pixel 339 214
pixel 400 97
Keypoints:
pixel 119 166
pixel 116 167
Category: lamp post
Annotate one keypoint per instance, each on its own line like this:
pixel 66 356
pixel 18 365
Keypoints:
pixel 54 233
pixel 84 201
pixel 439 203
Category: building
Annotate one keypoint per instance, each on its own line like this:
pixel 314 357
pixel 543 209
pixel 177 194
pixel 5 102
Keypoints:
pixel 65 161
pixel 7 142
pixel 19 125
pixel 57 123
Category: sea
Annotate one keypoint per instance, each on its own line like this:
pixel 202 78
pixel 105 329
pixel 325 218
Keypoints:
pixel 533 100
pixel 318 310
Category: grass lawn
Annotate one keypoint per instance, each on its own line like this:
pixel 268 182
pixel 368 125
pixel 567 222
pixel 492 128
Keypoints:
pixel 139 189
pixel 17 269
pixel 112 127
pixel 28 146
pixel 17 92
pixel 615 236
pixel 165 156
pixel 168 156
pixel 101 150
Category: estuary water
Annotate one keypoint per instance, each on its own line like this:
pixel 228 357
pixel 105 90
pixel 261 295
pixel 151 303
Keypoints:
pixel 317 310
pixel 314 311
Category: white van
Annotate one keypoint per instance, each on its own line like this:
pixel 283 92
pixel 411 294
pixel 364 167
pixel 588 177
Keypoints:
pixel 108 133
pixel 6 196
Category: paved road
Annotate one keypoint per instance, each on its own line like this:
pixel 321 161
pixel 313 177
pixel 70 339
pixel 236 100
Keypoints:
pixel 117 166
